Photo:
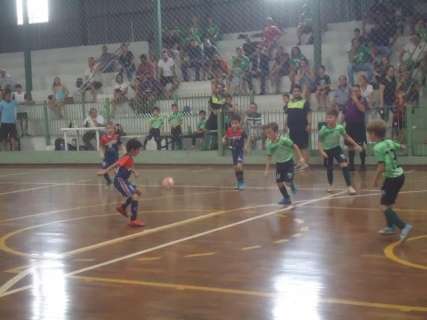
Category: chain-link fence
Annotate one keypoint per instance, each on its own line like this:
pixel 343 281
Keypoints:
pixel 135 55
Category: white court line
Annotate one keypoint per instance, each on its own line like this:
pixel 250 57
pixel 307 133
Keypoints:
pixel 171 243
pixel 9 284
pixel 47 213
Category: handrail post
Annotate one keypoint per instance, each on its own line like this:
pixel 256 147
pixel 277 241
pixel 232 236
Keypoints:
pixel 46 123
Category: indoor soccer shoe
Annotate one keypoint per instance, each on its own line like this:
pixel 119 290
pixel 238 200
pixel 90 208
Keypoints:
pixel 294 188
pixel 120 209
pixel 241 186
pixel 285 202
pixel 387 231
pixel 136 224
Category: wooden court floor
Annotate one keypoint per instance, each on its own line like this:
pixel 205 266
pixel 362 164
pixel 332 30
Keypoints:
pixel 207 252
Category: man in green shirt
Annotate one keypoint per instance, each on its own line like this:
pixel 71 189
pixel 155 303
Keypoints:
pixel 394 178
pixel 212 31
pixel 201 128
pixel 280 150
pixel 240 65
pixel 330 148
pixel 360 60
pixel 156 123
pixel 175 121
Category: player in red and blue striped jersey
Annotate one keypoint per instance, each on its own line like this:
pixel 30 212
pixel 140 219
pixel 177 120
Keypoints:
pixel 110 146
pixel 125 168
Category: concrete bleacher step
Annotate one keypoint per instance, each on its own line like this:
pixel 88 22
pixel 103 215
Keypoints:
pixel 191 88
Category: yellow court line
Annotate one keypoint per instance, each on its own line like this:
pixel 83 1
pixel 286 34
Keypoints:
pixel 250 248
pixel 4 247
pixel 47 213
pixel 253 293
pixel 202 254
pixel 174 242
pixel 389 253
pixel 149 259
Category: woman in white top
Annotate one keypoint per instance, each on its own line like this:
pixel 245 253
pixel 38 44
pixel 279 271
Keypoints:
pixel 56 101
pixel 366 89
pixel 120 92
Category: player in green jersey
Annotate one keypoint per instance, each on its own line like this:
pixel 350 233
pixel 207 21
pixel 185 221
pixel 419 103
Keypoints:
pixel 394 178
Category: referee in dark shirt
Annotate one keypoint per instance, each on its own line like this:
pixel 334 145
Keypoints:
pixel 299 120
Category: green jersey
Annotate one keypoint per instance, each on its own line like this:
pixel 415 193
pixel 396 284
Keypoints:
pixel 385 152
pixel 362 55
pixel 202 124
pixel 175 119
pixel 156 122
pixel 241 64
pixel 330 137
pixel 281 150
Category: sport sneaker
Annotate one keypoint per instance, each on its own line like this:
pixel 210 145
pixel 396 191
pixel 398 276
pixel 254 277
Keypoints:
pixel 330 189
pixel 404 233
pixel 294 188
pixel 285 202
pixel 136 224
pixel 351 191
pixel 387 231
pixel 122 210
pixel 242 186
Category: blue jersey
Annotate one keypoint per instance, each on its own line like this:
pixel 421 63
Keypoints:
pixel 236 138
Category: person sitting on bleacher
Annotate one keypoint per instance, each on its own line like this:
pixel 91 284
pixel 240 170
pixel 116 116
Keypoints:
pixel 127 61
pixel 94 120
pixel 145 68
pixel 93 78
pixel 107 60
pixel 56 101
pixel 120 93
pixel 271 35
pixel 194 59
pixel 281 67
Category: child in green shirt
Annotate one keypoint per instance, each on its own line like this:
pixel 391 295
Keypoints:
pixel 329 147
pixel 201 128
pixel 281 150
pixel 394 178
pixel 175 121
pixel 156 124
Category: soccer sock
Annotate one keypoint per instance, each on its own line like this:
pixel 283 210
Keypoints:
pixel 351 155
pixel 362 156
pixel 330 175
pixel 396 219
pixel 134 209
pixel 107 178
pixel 283 191
pixel 389 217
pixel 127 202
pixel 347 176
pixel 239 175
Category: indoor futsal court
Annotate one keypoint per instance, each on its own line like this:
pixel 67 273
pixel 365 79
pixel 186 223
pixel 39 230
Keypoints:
pixel 207 251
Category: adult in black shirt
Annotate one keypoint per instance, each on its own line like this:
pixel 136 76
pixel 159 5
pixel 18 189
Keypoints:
pixel 195 57
pixel 127 61
pixel 299 120
pixel 260 67
pixel 388 93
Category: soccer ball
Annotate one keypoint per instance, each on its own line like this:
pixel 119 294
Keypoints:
pixel 168 183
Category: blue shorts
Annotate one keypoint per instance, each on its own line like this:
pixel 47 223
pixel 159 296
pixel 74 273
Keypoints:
pixel 123 186
pixel 238 155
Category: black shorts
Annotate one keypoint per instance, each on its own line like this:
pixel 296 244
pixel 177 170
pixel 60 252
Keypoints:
pixel 285 171
pixel 238 155
pixel 299 136
pixel 390 190
pixel 336 153
pixel 8 131
pixel 164 81
pixel 357 131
